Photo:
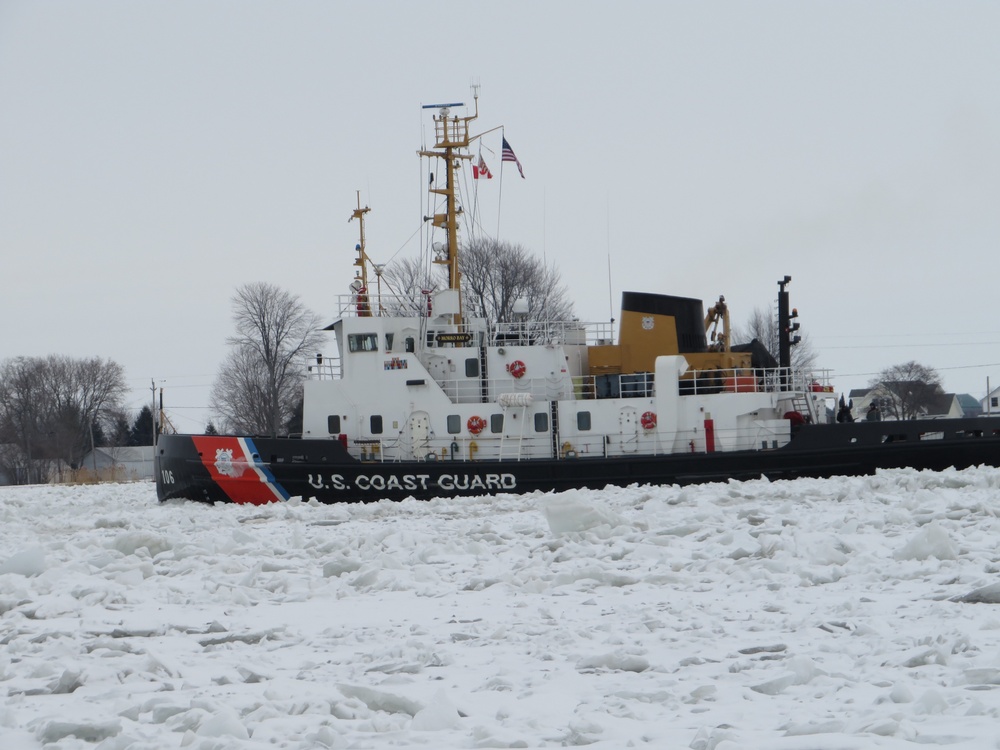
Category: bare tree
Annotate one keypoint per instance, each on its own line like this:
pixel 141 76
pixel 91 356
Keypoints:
pixel 403 282
pixel 49 406
pixel 99 387
pixel 907 390
pixel 13 465
pixel 762 324
pixel 239 400
pixel 261 378
pixel 496 274
pixel 22 404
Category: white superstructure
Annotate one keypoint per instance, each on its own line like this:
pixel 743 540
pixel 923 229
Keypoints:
pixel 422 387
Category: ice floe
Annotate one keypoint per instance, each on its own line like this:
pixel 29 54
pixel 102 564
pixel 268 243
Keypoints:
pixel 809 615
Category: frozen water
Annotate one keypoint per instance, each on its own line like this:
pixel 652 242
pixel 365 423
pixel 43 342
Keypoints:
pixel 28 562
pixel 807 615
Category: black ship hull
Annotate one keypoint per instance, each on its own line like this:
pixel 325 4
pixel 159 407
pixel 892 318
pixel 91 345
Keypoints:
pixel 259 470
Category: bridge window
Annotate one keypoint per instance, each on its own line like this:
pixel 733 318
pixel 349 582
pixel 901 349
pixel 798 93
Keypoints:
pixel 362 342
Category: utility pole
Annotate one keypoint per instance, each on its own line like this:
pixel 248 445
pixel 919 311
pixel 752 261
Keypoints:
pixel 152 412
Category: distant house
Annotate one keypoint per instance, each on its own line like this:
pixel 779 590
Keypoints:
pixel 991 402
pixel 941 406
pixel 971 407
pixel 945 405
pixel 123 463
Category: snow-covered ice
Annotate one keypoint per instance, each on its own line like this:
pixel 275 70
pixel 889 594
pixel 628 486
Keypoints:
pixel 809 615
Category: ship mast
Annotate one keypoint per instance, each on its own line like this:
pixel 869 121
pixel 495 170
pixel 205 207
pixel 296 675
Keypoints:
pixel 451 137
pixel 364 308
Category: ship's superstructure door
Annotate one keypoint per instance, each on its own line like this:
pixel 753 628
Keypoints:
pixel 628 427
pixel 420 434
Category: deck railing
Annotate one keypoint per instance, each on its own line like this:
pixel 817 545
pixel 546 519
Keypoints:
pixel 634 385
pixel 523 331
pixel 576 446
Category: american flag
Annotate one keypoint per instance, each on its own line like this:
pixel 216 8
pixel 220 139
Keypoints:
pixel 508 155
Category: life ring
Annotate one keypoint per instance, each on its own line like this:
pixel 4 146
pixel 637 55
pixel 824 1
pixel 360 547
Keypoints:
pixel 648 420
pixel 476 424
pixel 517 368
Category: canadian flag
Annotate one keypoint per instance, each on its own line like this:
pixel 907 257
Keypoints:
pixel 481 170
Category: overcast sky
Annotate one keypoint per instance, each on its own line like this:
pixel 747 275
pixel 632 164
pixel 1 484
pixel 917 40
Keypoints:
pixel 155 155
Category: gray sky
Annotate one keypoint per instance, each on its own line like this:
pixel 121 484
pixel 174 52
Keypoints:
pixel 155 155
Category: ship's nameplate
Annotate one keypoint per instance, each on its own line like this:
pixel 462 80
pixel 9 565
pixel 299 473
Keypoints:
pixel 453 338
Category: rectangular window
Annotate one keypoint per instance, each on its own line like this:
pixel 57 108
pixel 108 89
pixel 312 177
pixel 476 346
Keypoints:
pixel 454 424
pixel 472 367
pixel 376 424
pixel 362 342
pixel 994 400
pixel 541 422
pixel 333 424
pixel 583 420
pixel 496 423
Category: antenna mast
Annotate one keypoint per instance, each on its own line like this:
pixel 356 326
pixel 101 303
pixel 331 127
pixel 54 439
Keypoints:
pixel 451 135
pixel 364 309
